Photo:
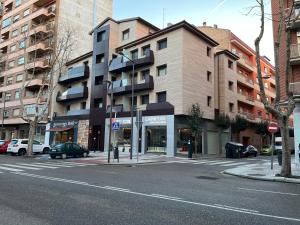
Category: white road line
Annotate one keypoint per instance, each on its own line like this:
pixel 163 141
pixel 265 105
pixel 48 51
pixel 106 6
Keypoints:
pixel 165 196
pixel 39 166
pixel 77 163
pixel 55 164
pixel 207 162
pixel 22 167
pixel 243 209
pixel 215 206
pixel 220 163
pixel 235 164
pixel 272 192
pixel 10 169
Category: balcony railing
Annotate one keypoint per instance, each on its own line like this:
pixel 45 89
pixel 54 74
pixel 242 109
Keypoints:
pixel 246 99
pixel 120 64
pixel 124 86
pixel 71 94
pixel 74 74
pixel 247 115
pixel 295 51
pixel 244 79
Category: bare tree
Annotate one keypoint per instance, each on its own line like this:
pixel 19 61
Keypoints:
pixel 282 112
pixel 53 60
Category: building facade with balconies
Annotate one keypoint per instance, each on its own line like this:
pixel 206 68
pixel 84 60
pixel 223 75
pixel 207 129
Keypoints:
pixel 27 28
pixel 238 88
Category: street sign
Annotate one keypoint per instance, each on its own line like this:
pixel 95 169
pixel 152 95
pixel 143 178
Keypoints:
pixel 115 126
pixel 273 128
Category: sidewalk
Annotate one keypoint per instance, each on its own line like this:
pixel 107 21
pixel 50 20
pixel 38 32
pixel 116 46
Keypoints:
pixel 262 171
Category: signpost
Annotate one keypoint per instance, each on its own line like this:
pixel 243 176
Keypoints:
pixel 115 126
pixel 272 128
pixel 138 124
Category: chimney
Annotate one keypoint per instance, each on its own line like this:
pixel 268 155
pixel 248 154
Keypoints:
pixel 169 24
pixel 215 26
pixel 204 24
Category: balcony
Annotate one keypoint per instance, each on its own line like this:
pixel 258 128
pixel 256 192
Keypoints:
pixel 78 112
pixel 119 64
pixel 40 3
pixel 247 115
pixel 75 74
pixel 122 87
pixel 246 64
pixel 41 30
pixel 35 84
pixel 116 108
pixel 246 99
pixel 295 54
pixel 75 93
pixel 38 64
pixel 39 48
pixel 44 14
pixel 245 81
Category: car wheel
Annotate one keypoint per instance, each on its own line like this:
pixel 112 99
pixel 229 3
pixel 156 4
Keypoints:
pixel 22 152
pixel 46 150
pixel 53 156
pixel 64 156
pixel 85 154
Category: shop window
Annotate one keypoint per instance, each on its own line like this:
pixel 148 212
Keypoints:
pixel 125 34
pixel 99 80
pixel 162 44
pixel 145 50
pixel 100 36
pixel 162 70
pixel 134 54
pixel 161 96
pixel 98 103
pixel 156 139
pixel 100 58
pixel 145 99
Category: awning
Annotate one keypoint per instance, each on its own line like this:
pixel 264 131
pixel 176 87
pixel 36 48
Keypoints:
pixel 60 129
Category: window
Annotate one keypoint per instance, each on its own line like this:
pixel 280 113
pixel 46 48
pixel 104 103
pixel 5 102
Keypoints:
pixel 17 95
pixel 98 103
pixel 7 96
pixel 258 97
pixel 125 35
pixel 24 28
pixel 26 12
pixel 16 112
pixel 230 85
pixel 18 2
pixel 231 107
pixel 6 22
pixel 11 64
pixel 16 18
pixel 145 73
pixel 266 70
pixel 83 105
pixel 22 44
pixel 233 50
pixel 208 51
pixel 12 48
pixel 19 78
pixel 134 54
pixel 21 60
pixel 100 36
pixel 266 85
pixel 259 113
pixel 14 33
pixel 145 50
pixel 98 80
pixel 100 58
pixel 209 101
pixel 230 64
pixel 208 75
pixel 161 96
pixel 68 108
pixel 6 114
pixel 162 44
pixel 9 80
pixel 145 99
pixel 162 70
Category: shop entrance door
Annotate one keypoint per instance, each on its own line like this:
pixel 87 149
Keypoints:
pixel 96 138
pixel 156 139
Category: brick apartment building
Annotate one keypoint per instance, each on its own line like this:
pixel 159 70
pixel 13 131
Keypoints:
pixel 175 67
pixel 48 17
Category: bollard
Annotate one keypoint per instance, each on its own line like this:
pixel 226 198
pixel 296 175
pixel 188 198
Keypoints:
pixel 190 150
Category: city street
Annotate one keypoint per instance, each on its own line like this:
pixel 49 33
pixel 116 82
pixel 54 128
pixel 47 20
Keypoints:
pixel 35 191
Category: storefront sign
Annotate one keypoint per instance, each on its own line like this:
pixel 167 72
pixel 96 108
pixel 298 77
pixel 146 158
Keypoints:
pixel 155 120
pixel 64 123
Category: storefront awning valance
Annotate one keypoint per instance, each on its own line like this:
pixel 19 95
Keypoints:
pixel 60 129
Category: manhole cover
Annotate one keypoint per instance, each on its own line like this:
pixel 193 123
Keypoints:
pixel 207 178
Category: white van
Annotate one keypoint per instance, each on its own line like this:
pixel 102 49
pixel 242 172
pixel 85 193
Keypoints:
pixel 278 143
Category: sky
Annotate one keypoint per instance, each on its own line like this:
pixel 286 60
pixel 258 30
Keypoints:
pixel 228 14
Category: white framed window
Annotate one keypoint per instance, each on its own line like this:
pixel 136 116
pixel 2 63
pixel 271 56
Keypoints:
pixel 26 12
pixel 18 3
pixel 16 18
pixel 24 28
pixel 21 60
pixel 19 78
pixel 13 48
pixel 14 33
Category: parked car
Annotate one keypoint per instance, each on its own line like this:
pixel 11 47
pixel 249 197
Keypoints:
pixel 233 149
pixel 4 145
pixel 19 146
pixel 250 150
pixel 267 150
pixel 68 149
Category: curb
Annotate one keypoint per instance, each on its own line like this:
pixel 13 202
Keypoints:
pixel 130 164
pixel 275 179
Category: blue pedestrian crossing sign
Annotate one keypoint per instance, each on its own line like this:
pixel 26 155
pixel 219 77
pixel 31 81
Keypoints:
pixel 115 126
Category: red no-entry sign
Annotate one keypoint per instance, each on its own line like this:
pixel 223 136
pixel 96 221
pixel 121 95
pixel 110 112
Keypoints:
pixel 273 128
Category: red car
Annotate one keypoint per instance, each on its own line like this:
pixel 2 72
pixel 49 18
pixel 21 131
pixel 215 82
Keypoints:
pixel 3 146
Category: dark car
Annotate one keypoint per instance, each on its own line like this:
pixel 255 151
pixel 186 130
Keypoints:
pixel 249 151
pixel 233 150
pixel 68 149
pixel 3 146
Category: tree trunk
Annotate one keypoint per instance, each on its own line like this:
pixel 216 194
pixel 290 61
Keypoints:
pixel 32 128
pixel 286 153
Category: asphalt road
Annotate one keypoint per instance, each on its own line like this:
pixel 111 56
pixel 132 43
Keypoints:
pixel 174 193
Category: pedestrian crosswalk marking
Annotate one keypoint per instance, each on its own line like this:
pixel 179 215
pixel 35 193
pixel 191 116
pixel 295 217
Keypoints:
pixel 225 163
pixel 21 167
pixel 219 163
pixel 235 164
pixel 10 169
pixel 39 166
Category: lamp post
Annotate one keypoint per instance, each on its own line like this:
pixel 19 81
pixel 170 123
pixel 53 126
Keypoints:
pixel 110 84
pixel 132 99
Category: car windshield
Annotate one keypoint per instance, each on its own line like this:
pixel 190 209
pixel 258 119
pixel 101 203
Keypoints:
pixel 2 142
pixel 58 146
pixel 14 142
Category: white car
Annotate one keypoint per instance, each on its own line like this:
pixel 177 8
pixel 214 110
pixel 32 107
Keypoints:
pixel 19 146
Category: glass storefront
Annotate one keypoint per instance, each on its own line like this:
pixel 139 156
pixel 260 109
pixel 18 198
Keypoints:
pixel 121 138
pixel 64 136
pixel 183 136
pixel 156 139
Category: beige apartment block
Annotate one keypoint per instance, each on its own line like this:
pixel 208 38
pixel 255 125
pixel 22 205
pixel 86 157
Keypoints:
pixel 27 28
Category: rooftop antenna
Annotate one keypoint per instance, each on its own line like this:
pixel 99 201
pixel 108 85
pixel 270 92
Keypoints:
pixel 164 12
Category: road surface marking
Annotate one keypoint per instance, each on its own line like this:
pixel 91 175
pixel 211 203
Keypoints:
pixel 273 192
pixel 224 162
pixel 115 188
pixel 22 167
pixel 78 164
pixel 39 166
pixel 55 164
pixel 165 196
pixel 243 209
pixel 235 164
pixel 227 208
pixel 10 169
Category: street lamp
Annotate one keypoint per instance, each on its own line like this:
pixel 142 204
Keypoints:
pixel 132 99
pixel 110 84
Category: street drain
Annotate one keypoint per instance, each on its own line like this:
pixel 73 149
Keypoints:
pixel 207 178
